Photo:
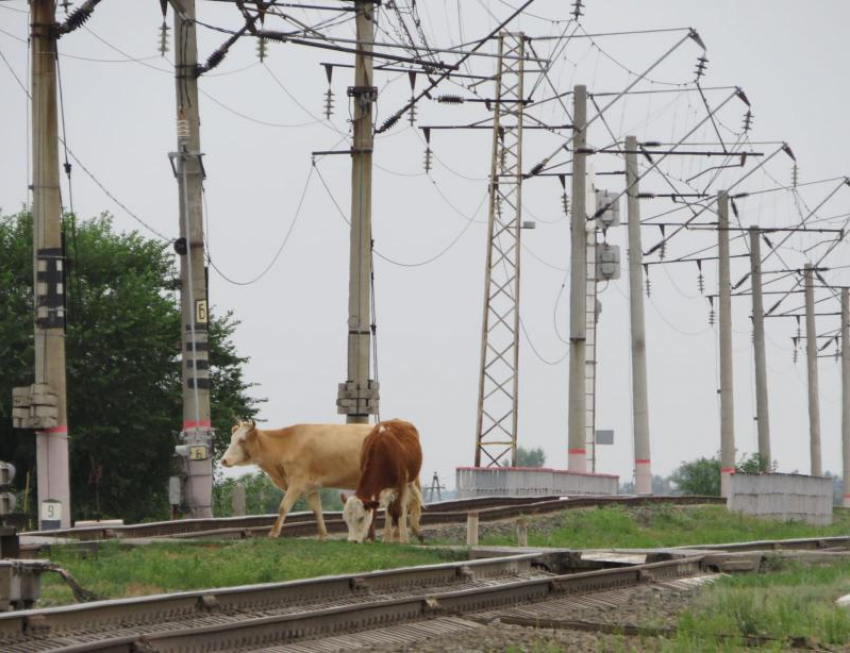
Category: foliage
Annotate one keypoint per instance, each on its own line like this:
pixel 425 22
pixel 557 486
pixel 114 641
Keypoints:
pixel 796 601
pixel 661 526
pixel 754 464
pixel 662 486
pixel 115 570
pixel 263 497
pixel 123 365
pixel 700 476
pixel 530 457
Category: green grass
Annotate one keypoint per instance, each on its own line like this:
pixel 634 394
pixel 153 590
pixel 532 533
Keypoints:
pixel 796 601
pixel 116 571
pixel 664 525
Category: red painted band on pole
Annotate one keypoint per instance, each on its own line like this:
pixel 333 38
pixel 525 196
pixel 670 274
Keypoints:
pixel 56 430
pixel 576 451
pixel 193 424
pixel 727 470
pixel 642 461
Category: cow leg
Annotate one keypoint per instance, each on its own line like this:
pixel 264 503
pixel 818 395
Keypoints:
pixel 315 502
pixel 389 501
pixel 371 535
pixel 292 495
pixel 414 509
pixel 402 522
pixel 389 518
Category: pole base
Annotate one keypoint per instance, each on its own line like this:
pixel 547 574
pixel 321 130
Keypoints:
pixel 577 460
pixel 196 461
pixel 643 477
pixel 726 482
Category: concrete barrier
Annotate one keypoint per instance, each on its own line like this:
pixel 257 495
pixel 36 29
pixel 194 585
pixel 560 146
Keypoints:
pixel 782 496
pixel 531 482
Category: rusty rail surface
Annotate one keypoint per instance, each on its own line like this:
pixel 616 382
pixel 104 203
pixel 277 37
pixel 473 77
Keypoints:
pixel 302 523
pixel 261 615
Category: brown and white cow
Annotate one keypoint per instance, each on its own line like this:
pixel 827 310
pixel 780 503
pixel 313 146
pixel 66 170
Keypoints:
pixel 390 462
pixel 300 459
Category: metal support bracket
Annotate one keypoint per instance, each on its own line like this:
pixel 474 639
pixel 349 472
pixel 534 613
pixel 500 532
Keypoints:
pixel 365 93
pixel 354 400
pixel 187 154
pixel 35 407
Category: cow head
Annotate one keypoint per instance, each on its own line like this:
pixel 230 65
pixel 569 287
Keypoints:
pixel 358 515
pixel 243 434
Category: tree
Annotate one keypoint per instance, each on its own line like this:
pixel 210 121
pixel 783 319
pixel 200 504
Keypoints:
pixel 661 486
pixel 123 365
pixel 754 464
pixel 263 497
pixel 530 457
pixel 700 476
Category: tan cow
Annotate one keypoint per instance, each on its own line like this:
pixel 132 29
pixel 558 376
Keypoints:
pixel 301 459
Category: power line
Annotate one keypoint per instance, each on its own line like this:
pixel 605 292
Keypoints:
pixel 280 249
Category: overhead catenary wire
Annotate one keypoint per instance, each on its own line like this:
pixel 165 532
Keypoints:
pixel 267 268
pixel 89 173
pixel 393 261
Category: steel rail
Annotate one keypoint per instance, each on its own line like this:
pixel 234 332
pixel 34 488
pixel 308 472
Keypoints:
pixel 296 595
pixel 259 615
pixel 213 620
pixel 302 524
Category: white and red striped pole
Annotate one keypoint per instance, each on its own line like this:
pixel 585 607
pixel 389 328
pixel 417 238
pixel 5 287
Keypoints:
pixel 52 461
pixel 576 432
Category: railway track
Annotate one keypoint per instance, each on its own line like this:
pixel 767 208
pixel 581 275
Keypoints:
pixel 358 610
pixel 255 617
pixel 302 524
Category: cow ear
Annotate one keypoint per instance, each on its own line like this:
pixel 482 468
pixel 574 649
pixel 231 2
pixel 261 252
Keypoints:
pixel 371 504
pixel 343 498
pixel 234 428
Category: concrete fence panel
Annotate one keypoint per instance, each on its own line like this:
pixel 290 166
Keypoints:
pixel 782 496
pixel 531 482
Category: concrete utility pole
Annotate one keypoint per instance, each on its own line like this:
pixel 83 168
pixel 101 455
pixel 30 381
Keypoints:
pixel 498 381
pixel 812 371
pixel 762 414
pixel 197 433
pixel 576 451
pixel 727 405
pixel 591 330
pixel 358 397
pixel 48 268
pixel 845 393
pixel 640 402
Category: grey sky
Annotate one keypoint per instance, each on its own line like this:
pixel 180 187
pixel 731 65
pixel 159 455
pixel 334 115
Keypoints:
pixel 788 56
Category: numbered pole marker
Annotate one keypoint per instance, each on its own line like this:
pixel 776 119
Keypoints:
pixel 201 314
pixel 51 514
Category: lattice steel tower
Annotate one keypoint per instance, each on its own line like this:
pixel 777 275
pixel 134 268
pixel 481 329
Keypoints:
pixel 496 434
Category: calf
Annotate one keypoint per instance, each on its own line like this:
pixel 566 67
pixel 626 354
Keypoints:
pixel 300 459
pixel 390 461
